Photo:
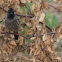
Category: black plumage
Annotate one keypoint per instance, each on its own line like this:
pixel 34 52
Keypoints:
pixel 12 22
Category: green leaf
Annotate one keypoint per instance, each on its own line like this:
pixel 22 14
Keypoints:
pixel 47 15
pixel 54 21
pixel 48 23
pixel 27 27
pixel 61 16
pixel 60 22
pixel 26 53
pixel 21 9
pixel 23 32
pixel 28 40
pixel 30 4
pixel 26 10
pixel 1 22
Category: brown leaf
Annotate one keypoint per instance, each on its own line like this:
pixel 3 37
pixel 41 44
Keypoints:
pixel 20 40
pixel 2 14
pixel 60 8
pixel 38 27
pixel 58 58
pixel 56 1
pixel 42 16
pixel 12 43
pixel 44 37
pixel 5 46
pixel 23 1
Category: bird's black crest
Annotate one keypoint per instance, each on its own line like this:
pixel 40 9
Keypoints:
pixel 10 10
pixel 10 13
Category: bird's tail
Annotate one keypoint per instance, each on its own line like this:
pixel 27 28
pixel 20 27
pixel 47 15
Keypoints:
pixel 16 36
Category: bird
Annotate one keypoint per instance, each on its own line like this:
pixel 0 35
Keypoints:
pixel 12 23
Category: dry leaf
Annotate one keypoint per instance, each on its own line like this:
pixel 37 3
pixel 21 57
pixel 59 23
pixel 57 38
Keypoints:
pixel 42 16
pixel 56 57
pixel 60 8
pixel 39 27
pixel 42 51
pixel 9 50
pixel 50 50
pixel 59 36
pixel 33 6
pixel 2 15
pixel 5 46
pixel 44 37
pixel 20 39
pixel 33 38
pixel 12 43
pixel 23 1
pixel 56 1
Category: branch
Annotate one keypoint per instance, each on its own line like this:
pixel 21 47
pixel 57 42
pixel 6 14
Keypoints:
pixel 55 7
pixel 3 32
pixel 3 9
pixel 31 16
pixel 47 26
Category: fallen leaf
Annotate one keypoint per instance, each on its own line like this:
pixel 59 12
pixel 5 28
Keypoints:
pixel 20 39
pixel 13 43
pixel 42 16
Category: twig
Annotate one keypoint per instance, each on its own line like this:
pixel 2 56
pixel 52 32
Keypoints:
pixel 3 32
pixel 55 7
pixel 19 15
pixel 3 9
pixel 51 6
pixel 47 26
pixel 31 16
pixel 30 36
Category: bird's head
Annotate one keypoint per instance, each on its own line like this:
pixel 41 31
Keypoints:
pixel 10 13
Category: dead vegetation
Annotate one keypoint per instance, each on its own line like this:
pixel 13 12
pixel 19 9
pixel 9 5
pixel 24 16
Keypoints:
pixel 36 45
